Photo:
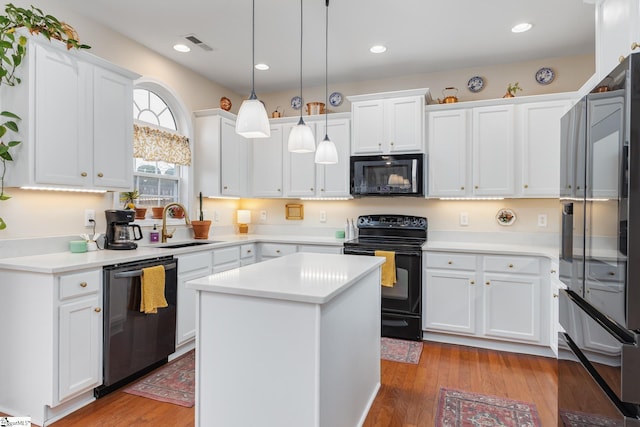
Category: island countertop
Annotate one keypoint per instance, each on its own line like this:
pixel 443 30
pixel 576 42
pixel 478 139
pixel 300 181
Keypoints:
pixel 302 277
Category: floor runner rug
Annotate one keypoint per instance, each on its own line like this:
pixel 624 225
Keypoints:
pixel 580 419
pixel 400 350
pixel 461 409
pixel 173 382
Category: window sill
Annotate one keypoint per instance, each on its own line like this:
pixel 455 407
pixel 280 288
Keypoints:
pixel 150 222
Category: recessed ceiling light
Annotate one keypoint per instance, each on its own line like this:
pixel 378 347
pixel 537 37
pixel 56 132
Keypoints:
pixel 181 48
pixel 521 28
pixel 377 48
pixel 262 67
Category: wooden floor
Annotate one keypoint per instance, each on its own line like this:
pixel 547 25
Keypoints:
pixel 407 397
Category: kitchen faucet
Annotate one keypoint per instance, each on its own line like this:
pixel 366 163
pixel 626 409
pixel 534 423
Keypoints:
pixel 165 234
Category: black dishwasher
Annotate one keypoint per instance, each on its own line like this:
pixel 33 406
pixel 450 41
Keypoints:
pixel 135 343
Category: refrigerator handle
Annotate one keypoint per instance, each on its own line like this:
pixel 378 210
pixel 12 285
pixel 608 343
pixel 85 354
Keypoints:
pixel 566 245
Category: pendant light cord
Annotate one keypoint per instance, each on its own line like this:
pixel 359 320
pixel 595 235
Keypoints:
pixel 301 33
pixel 253 51
pixel 326 72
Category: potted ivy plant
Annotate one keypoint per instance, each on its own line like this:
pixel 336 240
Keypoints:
pixel 13 48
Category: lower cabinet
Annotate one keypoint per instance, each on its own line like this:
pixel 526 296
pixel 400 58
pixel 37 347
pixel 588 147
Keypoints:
pixel 226 259
pixel 274 250
pixel 247 254
pixel 190 266
pixel 501 297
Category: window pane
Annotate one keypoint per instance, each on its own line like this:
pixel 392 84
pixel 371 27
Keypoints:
pixel 141 99
pixel 149 117
pixel 166 119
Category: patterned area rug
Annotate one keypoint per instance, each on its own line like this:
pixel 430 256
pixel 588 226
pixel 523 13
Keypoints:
pixel 461 409
pixel 400 350
pixel 580 419
pixel 174 382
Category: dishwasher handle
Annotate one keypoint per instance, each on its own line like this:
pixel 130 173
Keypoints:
pixel 138 273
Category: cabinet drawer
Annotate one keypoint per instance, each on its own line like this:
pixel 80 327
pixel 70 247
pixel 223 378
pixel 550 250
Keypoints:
pixel 226 255
pixel 512 264
pixel 607 272
pixel 84 283
pixel 274 249
pixel 193 262
pixel 451 261
pixel 247 251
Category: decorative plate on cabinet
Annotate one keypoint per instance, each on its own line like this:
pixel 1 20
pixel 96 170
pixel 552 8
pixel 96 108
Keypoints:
pixel 296 102
pixel 475 84
pixel 335 99
pixel 505 217
pixel 545 75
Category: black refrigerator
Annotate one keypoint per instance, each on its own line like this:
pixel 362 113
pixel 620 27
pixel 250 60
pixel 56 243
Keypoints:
pixel 599 311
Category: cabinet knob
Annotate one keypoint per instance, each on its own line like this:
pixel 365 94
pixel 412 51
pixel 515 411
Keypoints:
pixel 526 186
pixel 473 282
pixel 449 262
pixel 83 284
pixel 487 283
pixel 476 187
pixel 553 272
pixel 568 186
pixel 278 190
pixel 510 265
pixel 225 187
pixel 379 144
pixel 97 309
pixel 555 295
pixel 83 174
pixel 621 58
pixel 634 45
pixel 578 187
pixel 611 273
pixel 100 174
pixel 322 189
pixel 392 143
pixel 311 189
pixel 248 251
pixel 277 251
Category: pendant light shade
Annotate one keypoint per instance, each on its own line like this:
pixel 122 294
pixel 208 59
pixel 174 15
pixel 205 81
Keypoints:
pixel 301 138
pixel 252 120
pixel 327 153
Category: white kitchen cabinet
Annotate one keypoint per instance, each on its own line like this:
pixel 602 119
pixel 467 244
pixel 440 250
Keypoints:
pixel 498 297
pixel 77 120
pixel 385 123
pixel 190 266
pixel 226 258
pixel 266 154
pixel 304 178
pixel 247 254
pixel 233 160
pixel 79 333
pixel 539 133
pixel 274 250
pixel 617 33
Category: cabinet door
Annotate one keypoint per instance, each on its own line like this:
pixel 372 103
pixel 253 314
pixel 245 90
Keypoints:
pixel 233 168
pixel 448 145
pixel 299 168
pixel 62 119
pixel 450 301
pixel 80 346
pixel 112 130
pixel 368 127
pixel 617 27
pixel 206 156
pixel 404 125
pixel 493 154
pixel 540 136
pixel 512 307
pixel 190 266
pixel 333 180
pixel 267 164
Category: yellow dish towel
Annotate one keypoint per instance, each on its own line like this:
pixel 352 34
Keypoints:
pixel 388 277
pixel 152 285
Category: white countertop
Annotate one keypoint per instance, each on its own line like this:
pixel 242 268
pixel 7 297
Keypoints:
pixel 302 277
pixel 492 248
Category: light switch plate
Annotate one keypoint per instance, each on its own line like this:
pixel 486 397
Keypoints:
pixel 89 214
pixel 323 216
pixel 542 220
pixel 464 219
pixel 263 216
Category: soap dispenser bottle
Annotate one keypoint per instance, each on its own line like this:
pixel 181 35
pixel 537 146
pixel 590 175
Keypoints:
pixel 154 236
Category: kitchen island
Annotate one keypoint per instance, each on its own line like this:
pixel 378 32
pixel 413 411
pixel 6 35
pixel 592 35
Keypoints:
pixel 293 341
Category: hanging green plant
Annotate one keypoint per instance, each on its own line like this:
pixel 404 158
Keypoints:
pixel 13 48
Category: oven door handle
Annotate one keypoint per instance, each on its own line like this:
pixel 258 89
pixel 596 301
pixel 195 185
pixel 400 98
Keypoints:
pixel 138 273
pixel 371 252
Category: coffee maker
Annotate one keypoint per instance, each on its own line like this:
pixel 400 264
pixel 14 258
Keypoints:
pixel 121 234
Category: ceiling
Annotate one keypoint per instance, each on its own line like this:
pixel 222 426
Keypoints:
pixel 422 36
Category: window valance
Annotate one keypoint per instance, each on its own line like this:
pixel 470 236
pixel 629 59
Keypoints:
pixel 158 145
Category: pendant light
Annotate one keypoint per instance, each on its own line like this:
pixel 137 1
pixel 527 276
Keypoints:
pixel 301 139
pixel 326 154
pixel 252 120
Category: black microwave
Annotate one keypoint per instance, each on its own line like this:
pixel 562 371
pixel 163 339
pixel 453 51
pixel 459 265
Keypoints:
pixel 387 175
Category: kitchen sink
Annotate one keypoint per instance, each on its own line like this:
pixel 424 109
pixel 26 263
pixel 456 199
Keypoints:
pixel 187 244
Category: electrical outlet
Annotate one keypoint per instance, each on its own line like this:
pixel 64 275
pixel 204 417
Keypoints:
pixel 263 216
pixel 464 219
pixel 89 214
pixel 542 220
pixel 216 216
pixel 323 216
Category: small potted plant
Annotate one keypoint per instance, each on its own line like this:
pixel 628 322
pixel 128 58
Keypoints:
pixel 201 226
pixel 512 89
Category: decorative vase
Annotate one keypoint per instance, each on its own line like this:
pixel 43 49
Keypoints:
pixel 201 229
pixel 509 95
pixel 141 213
pixel 156 213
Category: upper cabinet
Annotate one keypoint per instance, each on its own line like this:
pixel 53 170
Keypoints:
pixel 617 33
pixel 390 122
pixel 266 154
pixel 77 120
pixel 499 148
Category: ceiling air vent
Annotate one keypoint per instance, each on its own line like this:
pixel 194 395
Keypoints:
pixel 196 41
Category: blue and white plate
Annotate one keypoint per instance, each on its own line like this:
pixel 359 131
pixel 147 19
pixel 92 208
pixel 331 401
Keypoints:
pixel 545 75
pixel 296 102
pixel 335 99
pixel 475 84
